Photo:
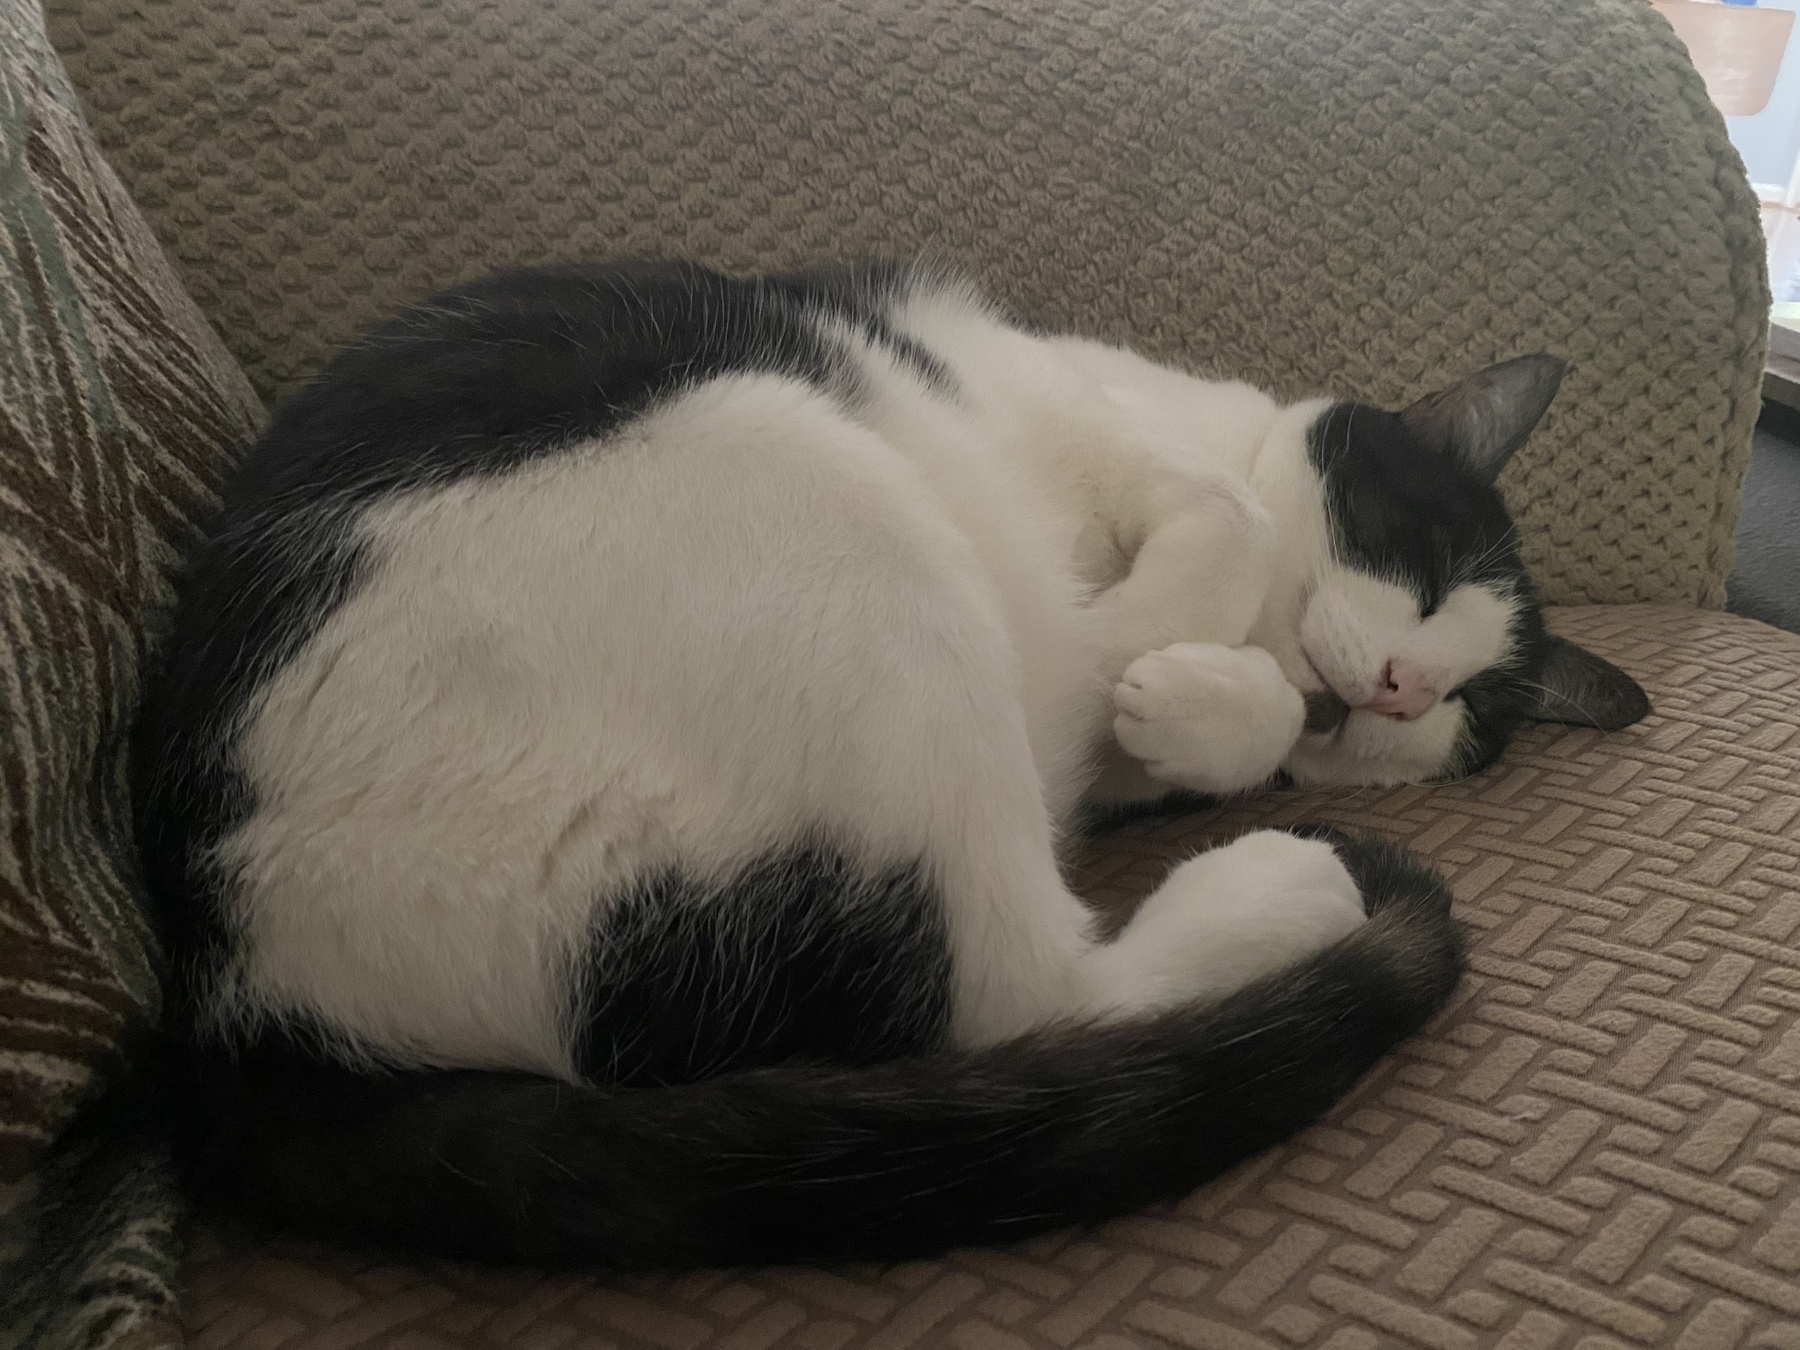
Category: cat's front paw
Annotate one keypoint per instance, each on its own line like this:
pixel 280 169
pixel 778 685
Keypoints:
pixel 1206 717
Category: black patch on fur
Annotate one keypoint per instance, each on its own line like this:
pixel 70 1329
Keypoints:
pixel 259 591
pixel 1325 711
pixel 812 1162
pixel 1404 513
pixel 476 380
pixel 519 364
pixel 801 956
pixel 858 296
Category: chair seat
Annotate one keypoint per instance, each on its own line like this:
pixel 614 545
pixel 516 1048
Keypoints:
pixel 1597 1145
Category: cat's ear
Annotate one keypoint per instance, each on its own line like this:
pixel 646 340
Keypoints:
pixel 1579 688
pixel 1481 420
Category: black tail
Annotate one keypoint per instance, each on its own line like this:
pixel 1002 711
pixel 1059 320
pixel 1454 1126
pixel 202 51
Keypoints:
pixel 914 1156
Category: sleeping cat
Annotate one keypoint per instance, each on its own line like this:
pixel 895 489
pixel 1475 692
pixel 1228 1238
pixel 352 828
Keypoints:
pixel 607 781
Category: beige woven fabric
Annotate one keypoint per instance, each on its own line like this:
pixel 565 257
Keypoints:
pixel 1597 1147
pixel 1365 196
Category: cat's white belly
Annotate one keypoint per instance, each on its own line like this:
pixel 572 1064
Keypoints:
pixel 729 626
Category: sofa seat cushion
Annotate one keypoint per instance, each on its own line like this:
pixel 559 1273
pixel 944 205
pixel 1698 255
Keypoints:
pixel 1597 1145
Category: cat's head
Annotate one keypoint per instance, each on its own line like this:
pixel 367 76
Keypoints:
pixel 1423 633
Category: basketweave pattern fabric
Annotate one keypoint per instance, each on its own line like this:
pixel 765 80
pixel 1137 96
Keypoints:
pixel 118 407
pixel 1359 196
pixel 1597 1147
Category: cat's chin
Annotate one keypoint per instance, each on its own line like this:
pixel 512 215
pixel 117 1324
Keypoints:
pixel 1352 773
pixel 1348 775
pixel 1369 750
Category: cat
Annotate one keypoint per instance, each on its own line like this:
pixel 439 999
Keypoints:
pixel 606 782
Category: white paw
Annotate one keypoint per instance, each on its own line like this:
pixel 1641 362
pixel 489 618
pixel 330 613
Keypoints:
pixel 1206 717
pixel 1230 916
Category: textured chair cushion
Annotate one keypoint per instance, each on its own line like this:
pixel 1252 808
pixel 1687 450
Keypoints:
pixel 1361 195
pixel 1597 1146
pixel 118 407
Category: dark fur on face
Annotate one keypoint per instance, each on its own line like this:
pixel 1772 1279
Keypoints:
pixel 1412 500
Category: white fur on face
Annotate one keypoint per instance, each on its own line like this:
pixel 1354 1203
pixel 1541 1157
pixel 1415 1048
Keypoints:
pixel 1355 624
pixel 1370 749
pixel 1353 627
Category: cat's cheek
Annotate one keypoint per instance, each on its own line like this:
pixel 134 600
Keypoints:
pixel 1353 625
pixel 1370 750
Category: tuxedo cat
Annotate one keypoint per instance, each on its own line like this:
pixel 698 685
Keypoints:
pixel 606 784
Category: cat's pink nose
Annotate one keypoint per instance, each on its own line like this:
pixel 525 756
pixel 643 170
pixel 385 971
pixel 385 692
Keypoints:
pixel 1406 691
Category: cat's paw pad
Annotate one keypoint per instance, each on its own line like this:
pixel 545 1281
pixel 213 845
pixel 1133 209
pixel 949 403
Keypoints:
pixel 1207 717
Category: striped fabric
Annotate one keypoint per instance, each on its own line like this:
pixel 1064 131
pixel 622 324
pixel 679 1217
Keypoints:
pixel 118 408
